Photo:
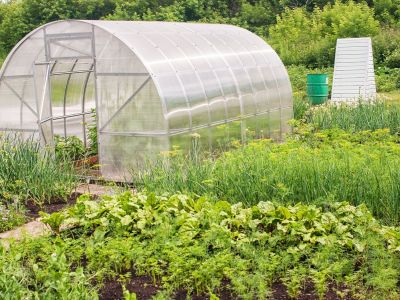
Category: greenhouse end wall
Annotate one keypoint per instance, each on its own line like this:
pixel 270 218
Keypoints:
pixel 155 87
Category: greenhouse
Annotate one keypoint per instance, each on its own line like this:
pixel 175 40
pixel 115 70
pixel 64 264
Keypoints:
pixel 154 86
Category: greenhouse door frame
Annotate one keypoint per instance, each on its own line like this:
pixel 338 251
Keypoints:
pixel 44 71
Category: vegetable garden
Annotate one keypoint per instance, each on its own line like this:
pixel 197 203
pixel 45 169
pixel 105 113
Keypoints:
pixel 315 216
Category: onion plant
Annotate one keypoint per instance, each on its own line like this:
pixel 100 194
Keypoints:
pixel 30 172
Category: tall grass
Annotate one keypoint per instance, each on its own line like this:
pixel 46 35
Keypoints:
pixel 29 172
pixel 363 170
pixel 364 116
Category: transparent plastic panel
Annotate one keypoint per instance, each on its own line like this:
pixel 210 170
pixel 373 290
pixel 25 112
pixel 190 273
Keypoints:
pixel 114 58
pixel 235 68
pixel 235 131
pixel 220 137
pixel 70 48
pixel 251 124
pixel 10 112
pixel 18 104
pixel 230 91
pixel 142 115
pixel 42 87
pixel 263 126
pixel 114 93
pixel 122 155
pixel 68 27
pixel 20 61
pixel 275 124
pixel 286 115
pixel 74 93
pixel 176 102
pixel 58 89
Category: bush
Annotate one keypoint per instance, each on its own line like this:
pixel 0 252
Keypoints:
pixel 310 39
pixel 387 79
pixel 386 47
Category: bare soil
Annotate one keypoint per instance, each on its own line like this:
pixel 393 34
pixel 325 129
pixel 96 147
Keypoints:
pixel 55 205
pixel 145 288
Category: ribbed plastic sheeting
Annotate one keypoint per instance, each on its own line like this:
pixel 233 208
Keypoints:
pixel 155 86
pixel 353 76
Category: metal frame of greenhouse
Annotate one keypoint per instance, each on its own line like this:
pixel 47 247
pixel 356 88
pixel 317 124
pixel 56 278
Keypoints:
pixel 153 85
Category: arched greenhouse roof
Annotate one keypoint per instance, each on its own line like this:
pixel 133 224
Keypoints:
pixel 145 79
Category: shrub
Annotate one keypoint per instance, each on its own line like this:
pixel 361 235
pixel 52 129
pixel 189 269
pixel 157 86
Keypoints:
pixel 387 79
pixel 310 39
pixel 386 46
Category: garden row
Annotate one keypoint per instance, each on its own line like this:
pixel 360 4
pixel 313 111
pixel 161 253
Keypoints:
pixel 144 245
pixel 311 167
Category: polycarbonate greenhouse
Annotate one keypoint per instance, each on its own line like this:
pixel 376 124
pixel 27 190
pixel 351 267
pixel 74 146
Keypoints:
pixel 154 85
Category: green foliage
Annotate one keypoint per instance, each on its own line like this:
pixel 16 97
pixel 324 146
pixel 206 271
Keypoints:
pixel 20 17
pixel 386 46
pixel 387 11
pixel 307 38
pixel 70 148
pixel 54 220
pixel 335 166
pixel 387 79
pixel 11 215
pixel 301 106
pixel 27 172
pixel 196 244
pixel 92 136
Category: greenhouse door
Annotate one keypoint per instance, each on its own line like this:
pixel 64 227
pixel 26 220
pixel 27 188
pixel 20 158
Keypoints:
pixel 65 88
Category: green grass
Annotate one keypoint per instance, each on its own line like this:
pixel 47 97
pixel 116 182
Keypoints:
pixel 195 245
pixel 311 168
pixel 29 172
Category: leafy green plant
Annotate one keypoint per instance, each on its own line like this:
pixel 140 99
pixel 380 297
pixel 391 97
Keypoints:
pixel 54 220
pixel 199 244
pixel 70 148
pixel 92 136
pixel 11 215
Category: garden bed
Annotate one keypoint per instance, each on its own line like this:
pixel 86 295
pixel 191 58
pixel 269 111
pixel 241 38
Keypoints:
pixel 33 209
pixel 145 289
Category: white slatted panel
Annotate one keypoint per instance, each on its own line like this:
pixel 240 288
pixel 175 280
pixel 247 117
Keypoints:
pixel 353 75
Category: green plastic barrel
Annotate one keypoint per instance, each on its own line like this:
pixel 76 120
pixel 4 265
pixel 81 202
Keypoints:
pixel 317 88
